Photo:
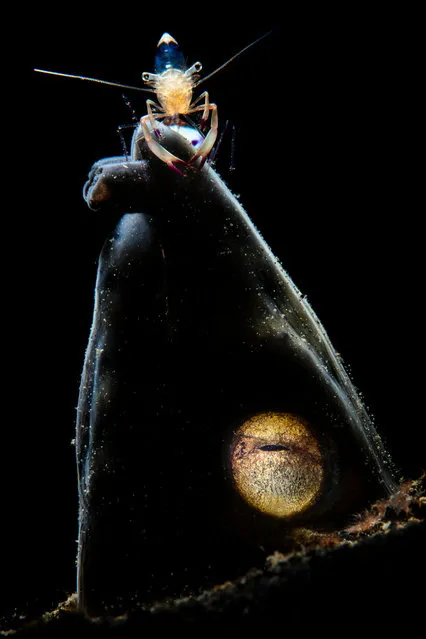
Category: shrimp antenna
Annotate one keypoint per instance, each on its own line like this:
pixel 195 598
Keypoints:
pixel 82 77
pixel 207 77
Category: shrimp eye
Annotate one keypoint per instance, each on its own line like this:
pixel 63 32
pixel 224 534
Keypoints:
pixel 146 76
pixel 197 67
pixel 277 464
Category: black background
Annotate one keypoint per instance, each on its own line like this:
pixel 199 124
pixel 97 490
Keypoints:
pixel 326 119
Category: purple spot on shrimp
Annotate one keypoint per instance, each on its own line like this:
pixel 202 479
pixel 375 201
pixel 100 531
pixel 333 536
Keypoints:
pixel 195 142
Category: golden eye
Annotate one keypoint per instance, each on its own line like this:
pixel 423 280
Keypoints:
pixel 276 464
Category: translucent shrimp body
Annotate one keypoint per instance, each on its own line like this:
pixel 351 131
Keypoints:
pixel 174 91
pixel 173 83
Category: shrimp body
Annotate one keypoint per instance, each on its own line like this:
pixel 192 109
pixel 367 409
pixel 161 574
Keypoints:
pixel 174 92
pixel 173 85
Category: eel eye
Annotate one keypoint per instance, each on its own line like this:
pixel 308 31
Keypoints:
pixel 277 464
